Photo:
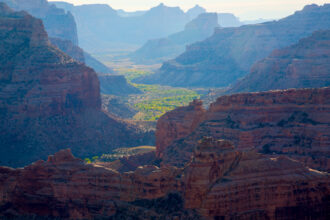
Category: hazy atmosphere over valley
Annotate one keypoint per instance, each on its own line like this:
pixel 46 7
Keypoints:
pixel 150 109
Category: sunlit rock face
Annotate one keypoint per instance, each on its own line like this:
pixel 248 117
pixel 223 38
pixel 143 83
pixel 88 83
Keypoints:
pixel 291 122
pixel 220 182
pixel 224 183
pixel 303 65
pixel 49 101
pixel 178 124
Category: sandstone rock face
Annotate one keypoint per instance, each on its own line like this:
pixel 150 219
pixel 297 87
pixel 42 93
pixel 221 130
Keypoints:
pixel 303 65
pixel 64 187
pixel 58 23
pixel 223 183
pixel 178 124
pixel 291 122
pixel 40 79
pixel 219 183
pixel 48 101
pixel 230 53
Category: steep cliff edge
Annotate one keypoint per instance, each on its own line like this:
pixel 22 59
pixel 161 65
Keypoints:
pixel 303 65
pixel 291 122
pixel 219 183
pixel 48 101
pixel 224 183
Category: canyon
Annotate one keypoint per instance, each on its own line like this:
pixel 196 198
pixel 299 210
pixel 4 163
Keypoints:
pixel 257 154
pixel 229 53
pixel 292 122
pixel 160 50
pixel 219 183
pixel 49 101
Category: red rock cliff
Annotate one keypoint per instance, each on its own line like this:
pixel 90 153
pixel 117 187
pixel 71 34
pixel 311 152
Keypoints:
pixel 178 124
pixel 223 183
pixel 219 183
pixel 48 101
pixel 291 122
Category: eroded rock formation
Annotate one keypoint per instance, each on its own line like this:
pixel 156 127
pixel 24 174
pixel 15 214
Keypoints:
pixel 219 183
pixel 292 122
pixel 223 183
pixel 178 124
pixel 303 65
pixel 48 101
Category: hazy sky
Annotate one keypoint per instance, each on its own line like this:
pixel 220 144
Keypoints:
pixel 245 9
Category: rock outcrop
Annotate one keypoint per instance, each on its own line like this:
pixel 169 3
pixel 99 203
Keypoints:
pixel 58 23
pixel 230 53
pixel 290 122
pixel 178 124
pixel 160 50
pixel 219 183
pixel 48 101
pixel 303 65
pixel 65 187
pixel 223 183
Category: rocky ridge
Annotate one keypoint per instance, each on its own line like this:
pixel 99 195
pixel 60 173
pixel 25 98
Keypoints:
pixel 289 122
pixel 230 53
pixel 159 50
pixel 303 65
pixel 49 101
pixel 219 182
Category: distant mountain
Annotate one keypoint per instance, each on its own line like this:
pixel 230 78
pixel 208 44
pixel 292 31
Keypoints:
pixel 303 65
pixel 257 21
pixel 228 20
pixel 58 23
pixel 195 11
pixel 101 28
pixel 61 28
pixel 80 55
pixel 49 101
pixel 229 54
pixel 159 50
pixel 123 13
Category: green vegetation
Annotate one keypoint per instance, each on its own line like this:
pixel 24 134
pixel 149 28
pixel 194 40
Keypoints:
pixel 125 152
pixel 131 74
pixel 157 100
pixel 120 153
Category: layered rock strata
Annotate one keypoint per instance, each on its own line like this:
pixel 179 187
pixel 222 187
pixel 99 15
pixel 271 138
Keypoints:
pixel 219 183
pixel 303 65
pixel 48 101
pixel 291 122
